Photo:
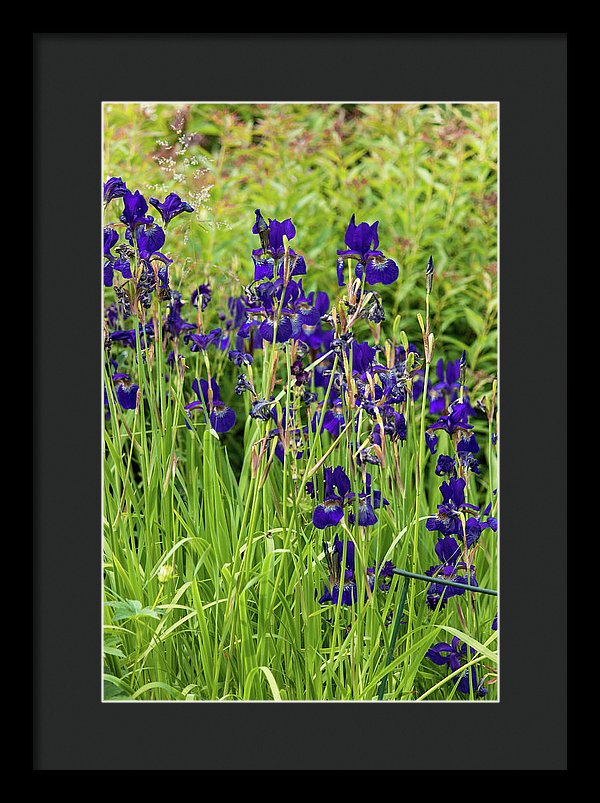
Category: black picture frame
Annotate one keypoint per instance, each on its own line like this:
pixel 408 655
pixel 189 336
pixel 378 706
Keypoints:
pixel 73 73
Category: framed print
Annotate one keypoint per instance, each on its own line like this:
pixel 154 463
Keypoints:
pixel 286 454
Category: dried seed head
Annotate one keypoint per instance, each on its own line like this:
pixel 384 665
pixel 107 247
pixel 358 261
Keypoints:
pixel 261 409
pixel 373 308
pixel 429 274
pixel 125 251
pixel 309 396
pixel 242 385
pixel 481 406
pixel 123 301
pixel 463 367
pixel 369 455
pixel 262 228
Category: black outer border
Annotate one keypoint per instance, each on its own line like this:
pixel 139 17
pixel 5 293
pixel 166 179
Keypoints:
pixel 73 74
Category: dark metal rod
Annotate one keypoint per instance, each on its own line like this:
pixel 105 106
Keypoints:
pixel 439 580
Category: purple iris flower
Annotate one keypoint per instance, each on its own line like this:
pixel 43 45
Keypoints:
pixel 201 294
pixel 201 341
pixel 359 240
pixel 438 594
pixel 378 270
pixel 368 502
pixel 456 421
pixel 269 259
pixel 445 465
pixel 447 388
pixel 394 425
pixel 495 622
pixel 449 568
pixel 112 263
pixel 114 188
pixel 342 586
pixel 264 266
pixel 336 571
pixel 468 444
pixel 302 314
pixel 265 317
pixel 221 418
pixel 111 237
pixel 448 520
pixel 386 573
pixel 261 312
pixel 320 301
pixel 331 511
pixel 171 207
pixel 340 272
pixel 452 655
pixel 466 450
pixel 164 291
pixel 125 336
pixel 314 338
pixel 333 420
pixel 363 356
pixel 128 336
pixel 448 551
pixel 301 377
pixel 111 315
pixel 276 232
pixel 126 391
pixel 366 513
pixel 134 210
pixel 362 243
pixel 394 383
pixel 474 526
pixel 174 323
pixel 260 293
pixel 431 442
pixel 266 330
pixel 337 494
pixel 240 358
pixel 237 310
pixel 150 239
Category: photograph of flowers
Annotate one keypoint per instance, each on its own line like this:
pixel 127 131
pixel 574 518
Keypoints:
pixel 300 402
